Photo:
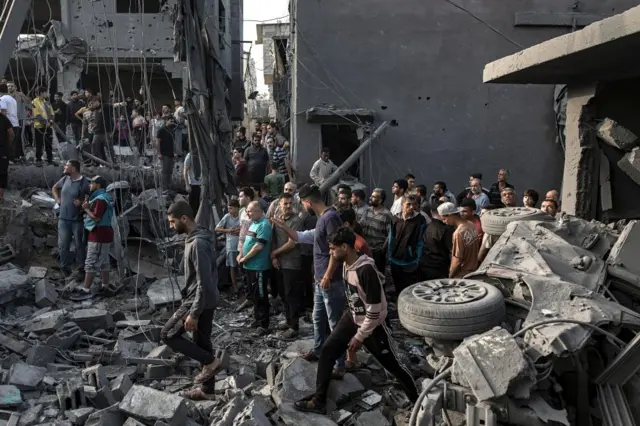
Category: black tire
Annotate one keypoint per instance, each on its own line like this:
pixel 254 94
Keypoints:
pixel 427 316
pixel 494 222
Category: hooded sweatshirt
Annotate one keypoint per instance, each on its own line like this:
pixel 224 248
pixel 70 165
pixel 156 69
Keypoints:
pixel 365 295
pixel 200 272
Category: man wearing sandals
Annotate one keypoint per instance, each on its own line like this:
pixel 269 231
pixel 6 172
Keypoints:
pixel 199 300
pixel 363 325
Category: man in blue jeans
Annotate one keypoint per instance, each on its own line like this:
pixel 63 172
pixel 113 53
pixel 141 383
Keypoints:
pixel 329 296
pixel 70 192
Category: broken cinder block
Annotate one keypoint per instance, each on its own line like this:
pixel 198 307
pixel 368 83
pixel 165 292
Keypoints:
pixel 92 319
pixel 66 337
pixel 150 405
pixel 120 386
pixel 71 394
pixel 25 376
pixel 46 294
pixel 630 164
pixel 616 135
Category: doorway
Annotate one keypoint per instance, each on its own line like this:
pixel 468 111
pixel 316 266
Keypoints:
pixel 342 140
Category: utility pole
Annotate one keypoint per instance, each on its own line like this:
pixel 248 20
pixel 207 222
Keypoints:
pixel 11 26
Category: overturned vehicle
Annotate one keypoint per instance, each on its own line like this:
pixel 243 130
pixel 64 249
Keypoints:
pixel 543 333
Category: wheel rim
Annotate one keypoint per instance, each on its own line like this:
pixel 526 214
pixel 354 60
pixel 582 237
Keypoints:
pixel 449 292
pixel 513 212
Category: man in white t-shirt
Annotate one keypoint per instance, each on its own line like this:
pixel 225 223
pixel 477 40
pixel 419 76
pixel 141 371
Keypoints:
pixel 9 107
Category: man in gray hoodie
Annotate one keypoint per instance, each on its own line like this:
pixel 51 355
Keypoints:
pixel 199 300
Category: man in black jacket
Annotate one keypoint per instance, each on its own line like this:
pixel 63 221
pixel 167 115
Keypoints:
pixel 438 242
pixel 405 243
pixel 200 298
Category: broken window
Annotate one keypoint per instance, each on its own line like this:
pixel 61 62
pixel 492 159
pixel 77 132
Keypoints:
pixel 222 25
pixel 342 140
pixel 139 6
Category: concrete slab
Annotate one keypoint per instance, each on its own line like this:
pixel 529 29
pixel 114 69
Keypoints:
pixel 10 396
pixel 25 376
pixel 612 133
pixel 92 319
pixel 79 416
pixel 630 164
pixel 577 56
pixel 295 380
pixel 47 322
pixel 148 405
pixel 291 417
pixel 165 292
pixel 253 414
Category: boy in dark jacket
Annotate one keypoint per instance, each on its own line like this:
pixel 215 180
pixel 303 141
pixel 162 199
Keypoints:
pixel 405 243
pixel 199 300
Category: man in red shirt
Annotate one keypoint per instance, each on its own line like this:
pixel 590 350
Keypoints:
pixel 98 211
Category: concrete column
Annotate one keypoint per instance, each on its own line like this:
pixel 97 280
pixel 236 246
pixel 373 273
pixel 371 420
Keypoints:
pixel 580 181
pixel 68 78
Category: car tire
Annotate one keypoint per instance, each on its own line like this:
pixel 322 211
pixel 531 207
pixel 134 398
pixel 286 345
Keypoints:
pixel 450 309
pixel 494 222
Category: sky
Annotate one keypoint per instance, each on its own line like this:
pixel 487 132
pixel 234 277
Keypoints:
pixel 261 10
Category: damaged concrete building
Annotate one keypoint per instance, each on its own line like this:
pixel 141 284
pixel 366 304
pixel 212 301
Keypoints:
pixel 419 64
pixel 122 45
pixel 602 164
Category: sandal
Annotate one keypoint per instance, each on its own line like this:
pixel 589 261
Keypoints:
pixel 207 372
pixel 352 365
pixel 338 374
pixel 310 405
pixel 197 394
pixel 309 356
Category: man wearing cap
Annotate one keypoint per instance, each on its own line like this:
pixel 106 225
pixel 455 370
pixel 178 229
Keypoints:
pixel 438 242
pixel 97 222
pixel 466 243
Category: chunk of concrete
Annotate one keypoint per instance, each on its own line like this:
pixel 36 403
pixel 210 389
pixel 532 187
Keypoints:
pixel 31 416
pixel 14 345
pixel 10 396
pixel 47 322
pixel 11 281
pixel 133 422
pixel 291 417
pixel 372 418
pixel 165 292
pixel 70 394
pixel 66 336
pixel 41 355
pixel 92 319
pixel 37 272
pixel 343 391
pixel 111 416
pixel 228 413
pixel 242 379
pixel 630 164
pixel 616 135
pixel 25 376
pixel 79 416
pixel 295 380
pixel 46 294
pixel 148 405
pixel 492 363
pixel 252 415
pixel 120 386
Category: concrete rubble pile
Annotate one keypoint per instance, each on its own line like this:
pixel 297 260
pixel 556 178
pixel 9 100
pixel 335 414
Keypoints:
pixel 544 332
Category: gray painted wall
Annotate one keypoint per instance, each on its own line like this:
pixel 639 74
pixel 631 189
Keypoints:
pixel 421 64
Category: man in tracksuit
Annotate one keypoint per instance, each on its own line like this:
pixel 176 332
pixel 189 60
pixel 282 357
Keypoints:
pixel 199 300
pixel 405 243
pixel 363 325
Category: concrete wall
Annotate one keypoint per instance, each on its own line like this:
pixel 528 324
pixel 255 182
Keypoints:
pixel 421 63
pixel 237 71
pixel 130 35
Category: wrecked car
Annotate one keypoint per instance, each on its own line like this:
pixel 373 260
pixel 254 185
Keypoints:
pixel 544 332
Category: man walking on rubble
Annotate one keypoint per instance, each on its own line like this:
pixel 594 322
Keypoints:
pixel 199 302
pixel 364 325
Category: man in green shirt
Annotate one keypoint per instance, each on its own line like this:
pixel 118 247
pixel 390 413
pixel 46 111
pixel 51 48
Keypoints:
pixel 274 182
pixel 255 258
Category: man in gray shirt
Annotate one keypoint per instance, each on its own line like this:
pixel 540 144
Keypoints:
pixel 286 259
pixel 70 192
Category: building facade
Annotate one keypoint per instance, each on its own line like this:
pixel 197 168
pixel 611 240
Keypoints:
pixel 130 44
pixel 418 65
